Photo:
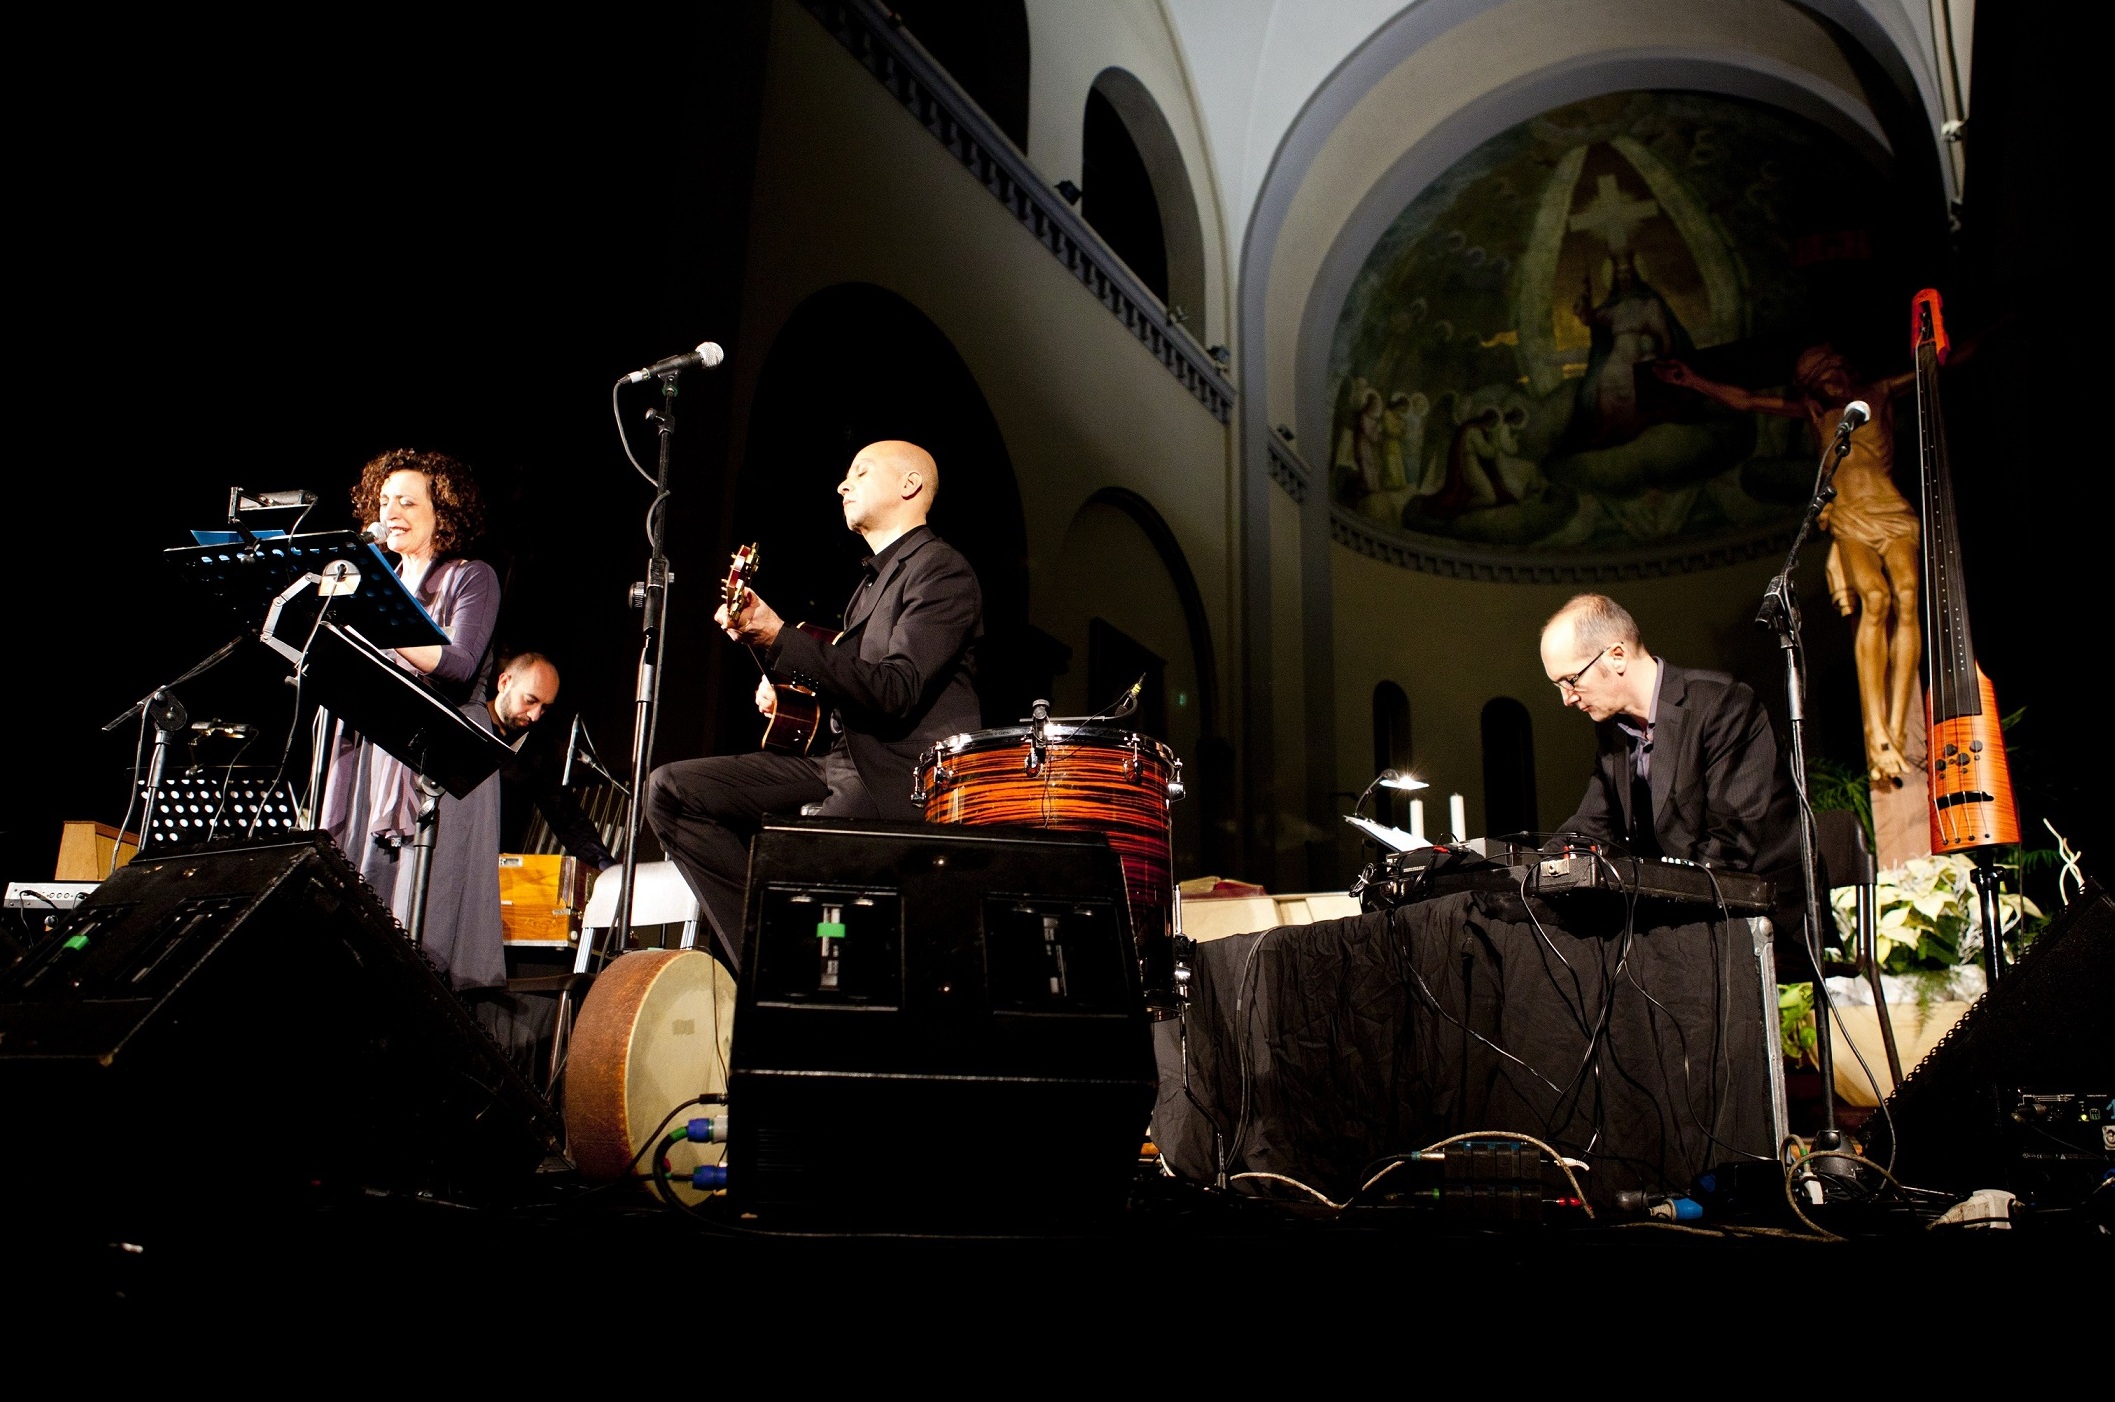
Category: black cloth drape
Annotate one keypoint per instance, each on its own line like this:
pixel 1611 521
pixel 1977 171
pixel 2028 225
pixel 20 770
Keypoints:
pixel 1314 1050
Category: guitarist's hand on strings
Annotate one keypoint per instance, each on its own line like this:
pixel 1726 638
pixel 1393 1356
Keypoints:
pixel 766 697
pixel 756 623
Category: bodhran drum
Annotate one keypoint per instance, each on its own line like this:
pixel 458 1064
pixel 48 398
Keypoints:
pixel 653 1032
pixel 1081 779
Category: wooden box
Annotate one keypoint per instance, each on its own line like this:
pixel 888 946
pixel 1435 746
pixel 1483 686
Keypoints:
pixel 541 896
pixel 85 849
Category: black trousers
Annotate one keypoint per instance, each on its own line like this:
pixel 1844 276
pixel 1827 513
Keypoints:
pixel 705 811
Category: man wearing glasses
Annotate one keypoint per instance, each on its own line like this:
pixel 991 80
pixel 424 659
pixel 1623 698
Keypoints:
pixel 1687 764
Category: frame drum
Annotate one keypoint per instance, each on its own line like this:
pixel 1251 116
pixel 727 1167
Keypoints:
pixel 652 1033
pixel 1113 782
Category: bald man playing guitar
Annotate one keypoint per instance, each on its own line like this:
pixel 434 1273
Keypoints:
pixel 898 679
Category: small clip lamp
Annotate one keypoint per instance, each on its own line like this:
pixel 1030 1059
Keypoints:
pixel 1389 779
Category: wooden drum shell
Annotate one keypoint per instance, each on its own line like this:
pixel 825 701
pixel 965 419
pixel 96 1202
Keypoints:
pixel 653 1032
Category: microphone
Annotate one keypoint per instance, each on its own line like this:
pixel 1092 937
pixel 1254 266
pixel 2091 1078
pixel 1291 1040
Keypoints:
pixel 1854 414
pixel 588 760
pixel 376 532
pixel 707 355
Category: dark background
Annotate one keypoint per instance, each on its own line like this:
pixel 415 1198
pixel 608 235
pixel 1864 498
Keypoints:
pixel 259 256
pixel 254 254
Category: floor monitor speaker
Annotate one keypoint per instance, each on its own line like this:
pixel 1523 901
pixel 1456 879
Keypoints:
pixel 246 1020
pixel 936 1021
pixel 1981 1110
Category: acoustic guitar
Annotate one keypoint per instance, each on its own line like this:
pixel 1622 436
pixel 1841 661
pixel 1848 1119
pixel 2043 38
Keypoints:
pixel 1971 780
pixel 795 716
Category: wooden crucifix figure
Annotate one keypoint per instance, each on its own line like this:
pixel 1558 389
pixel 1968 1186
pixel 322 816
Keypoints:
pixel 1875 559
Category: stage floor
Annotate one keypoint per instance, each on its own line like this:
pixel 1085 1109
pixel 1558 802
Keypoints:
pixel 1178 1258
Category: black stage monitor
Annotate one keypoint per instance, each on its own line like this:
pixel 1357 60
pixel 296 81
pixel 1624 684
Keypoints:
pixel 936 1022
pixel 257 1015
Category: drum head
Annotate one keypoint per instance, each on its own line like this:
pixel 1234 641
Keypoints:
pixel 652 1033
pixel 1054 734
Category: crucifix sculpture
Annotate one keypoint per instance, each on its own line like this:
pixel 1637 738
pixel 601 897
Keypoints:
pixel 1874 562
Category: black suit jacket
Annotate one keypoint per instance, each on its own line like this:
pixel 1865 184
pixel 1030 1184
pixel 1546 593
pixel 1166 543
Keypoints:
pixel 529 779
pixel 901 675
pixel 1721 793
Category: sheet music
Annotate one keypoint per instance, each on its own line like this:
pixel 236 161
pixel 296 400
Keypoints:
pixel 1392 838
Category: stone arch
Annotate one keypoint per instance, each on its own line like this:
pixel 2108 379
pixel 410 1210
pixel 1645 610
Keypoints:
pixel 1289 289
pixel 1123 125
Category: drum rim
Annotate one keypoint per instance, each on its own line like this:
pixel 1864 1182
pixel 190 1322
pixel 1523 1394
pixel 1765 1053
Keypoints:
pixel 1054 733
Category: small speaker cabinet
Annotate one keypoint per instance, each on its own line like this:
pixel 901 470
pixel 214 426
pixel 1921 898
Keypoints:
pixel 936 1022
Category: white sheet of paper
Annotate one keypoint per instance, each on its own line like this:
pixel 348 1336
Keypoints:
pixel 1392 838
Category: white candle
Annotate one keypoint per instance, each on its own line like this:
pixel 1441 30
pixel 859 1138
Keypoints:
pixel 1417 819
pixel 1458 816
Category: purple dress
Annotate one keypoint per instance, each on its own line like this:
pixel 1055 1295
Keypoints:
pixel 371 801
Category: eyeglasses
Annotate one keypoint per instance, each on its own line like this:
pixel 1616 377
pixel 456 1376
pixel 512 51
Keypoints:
pixel 1571 683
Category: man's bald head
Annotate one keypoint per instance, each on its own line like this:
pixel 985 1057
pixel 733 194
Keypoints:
pixel 1592 653
pixel 1592 622
pixel 889 488
pixel 527 684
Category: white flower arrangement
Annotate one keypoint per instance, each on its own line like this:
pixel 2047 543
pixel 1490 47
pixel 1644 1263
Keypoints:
pixel 1929 916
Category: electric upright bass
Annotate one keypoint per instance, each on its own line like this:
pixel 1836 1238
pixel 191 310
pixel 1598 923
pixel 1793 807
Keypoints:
pixel 1971 781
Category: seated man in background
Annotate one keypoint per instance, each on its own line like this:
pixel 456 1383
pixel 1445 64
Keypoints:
pixel 527 686
pixel 1687 764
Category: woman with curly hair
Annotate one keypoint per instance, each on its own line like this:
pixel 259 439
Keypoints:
pixel 428 505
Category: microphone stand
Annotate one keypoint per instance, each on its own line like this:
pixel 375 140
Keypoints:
pixel 169 719
pixel 1780 614
pixel 651 599
pixel 205 664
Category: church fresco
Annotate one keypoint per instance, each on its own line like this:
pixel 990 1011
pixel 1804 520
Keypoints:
pixel 1492 372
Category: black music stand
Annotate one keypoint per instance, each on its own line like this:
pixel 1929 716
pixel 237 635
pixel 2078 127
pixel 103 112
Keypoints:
pixel 264 586
pixel 365 592
pixel 405 718
pixel 336 594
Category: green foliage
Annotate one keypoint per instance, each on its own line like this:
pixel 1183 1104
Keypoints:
pixel 1833 786
pixel 1795 1023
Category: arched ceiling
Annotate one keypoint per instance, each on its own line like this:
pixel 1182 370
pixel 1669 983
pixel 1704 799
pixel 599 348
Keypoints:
pixel 1258 66
pixel 1325 117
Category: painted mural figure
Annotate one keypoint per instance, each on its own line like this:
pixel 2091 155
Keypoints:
pixel 1473 479
pixel 1404 427
pixel 1874 560
pixel 1483 466
pixel 1360 445
pixel 1429 476
pixel 1632 326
